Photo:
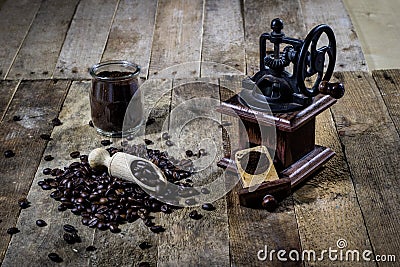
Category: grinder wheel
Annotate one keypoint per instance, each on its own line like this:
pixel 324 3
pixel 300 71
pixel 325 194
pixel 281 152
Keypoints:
pixel 311 59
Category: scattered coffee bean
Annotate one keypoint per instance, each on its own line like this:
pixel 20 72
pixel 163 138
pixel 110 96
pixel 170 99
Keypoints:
pixel 144 245
pixel 46 171
pixel 91 124
pixel 91 248
pixel 148 142
pixel 189 153
pixel 41 223
pixel 69 228
pixel 56 122
pixel 105 142
pixel 23 203
pixel 48 158
pixel 17 118
pixel 55 257
pixel 164 208
pixel 208 206
pixel 12 230
pixel 75 154
pixel 9 154
pixel 45 137
pixel 165 136
pixel 144 264
pixel 157 229
pixel 169 143
pixel 202 152
pixel 195 215
pixel 205 191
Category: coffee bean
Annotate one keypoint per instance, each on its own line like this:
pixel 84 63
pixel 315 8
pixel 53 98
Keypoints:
pixel 56 122
pixel 165 136
pixel 46 187
pixel 48 158
pixel 91 123
pixel 55 257
pixel 91 248
pixel 12 230
pixel 189 153
pixel 205 191
pixel 164 208
pixel 69 238
pixel 208 206
pixel 148 142
pixel 46 171
pixel 23 203
pixel 169 143
pixel 144 245
pixel 144 264
pixel 83 158
pixel 75 154
pixel 17 118
pixel 9 153
pixel 114 228
pixel 93 222
pixel 157 229
pixel 195 215
pixel 105 142
pixel 41 223
pixel 45 137
pixel 69 228
pixel 202 152
pixel 130 137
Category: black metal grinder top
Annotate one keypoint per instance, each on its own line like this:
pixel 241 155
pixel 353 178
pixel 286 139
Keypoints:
pixel 274 88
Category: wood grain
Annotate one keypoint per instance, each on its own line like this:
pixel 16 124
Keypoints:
pixel 257 20
pixel 388 83
pixel 326 206
pixel 15 20
pixel 177 39
pixel 86 38
pixel 39 53
pixel 250 230
pixel 7 90
pixel 131 34
pixel 23 137
pixel 333 13
pixel 205 241
pixel 371 144
pixel 223 39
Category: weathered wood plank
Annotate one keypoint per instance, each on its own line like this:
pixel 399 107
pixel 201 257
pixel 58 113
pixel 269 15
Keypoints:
pixel 388 82
pixel 371 144
pixel 205 241
pixel 257 20
pixel 39 53
pixel 223 39
pixel 177 39
pixel 7 89
pixel 23 137
pixel 131 34
pixel 250 230
pixel 15 20
pixel 349 53
pixel 326 206
pixel 86 38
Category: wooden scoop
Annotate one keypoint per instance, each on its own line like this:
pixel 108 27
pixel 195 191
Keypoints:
pixel 128 167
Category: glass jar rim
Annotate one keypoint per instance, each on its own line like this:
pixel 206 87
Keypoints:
pixel 93 70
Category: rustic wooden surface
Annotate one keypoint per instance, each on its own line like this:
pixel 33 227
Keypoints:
pixel 46 49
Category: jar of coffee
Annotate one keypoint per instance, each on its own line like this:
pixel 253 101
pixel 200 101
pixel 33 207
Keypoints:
pixel 114 93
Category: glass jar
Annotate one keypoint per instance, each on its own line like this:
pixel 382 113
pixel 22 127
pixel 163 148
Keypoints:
pixel 115 85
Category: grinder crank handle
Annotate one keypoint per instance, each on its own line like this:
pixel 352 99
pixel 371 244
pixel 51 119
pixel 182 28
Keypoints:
pixel 119 165
pixel 335 90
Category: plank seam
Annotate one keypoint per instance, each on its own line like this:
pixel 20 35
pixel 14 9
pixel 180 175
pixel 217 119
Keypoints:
pixel 109 29
pixel 152 39
pixel 352 180
pixel 9 102
pixel 22 42
pixel 202 36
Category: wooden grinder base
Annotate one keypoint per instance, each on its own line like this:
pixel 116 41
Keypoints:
pixel 296 157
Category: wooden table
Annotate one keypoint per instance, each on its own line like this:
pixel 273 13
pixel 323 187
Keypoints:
pixel 46 49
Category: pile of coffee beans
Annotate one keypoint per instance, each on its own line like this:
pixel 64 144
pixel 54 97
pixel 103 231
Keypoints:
pixel 103 201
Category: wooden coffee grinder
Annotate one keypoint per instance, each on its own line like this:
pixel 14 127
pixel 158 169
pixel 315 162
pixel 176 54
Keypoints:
pixel 288 101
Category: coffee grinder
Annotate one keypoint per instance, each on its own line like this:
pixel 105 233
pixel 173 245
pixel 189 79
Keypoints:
pixel 290 102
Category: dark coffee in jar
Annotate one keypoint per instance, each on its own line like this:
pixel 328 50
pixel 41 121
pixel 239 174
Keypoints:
pixel 115 87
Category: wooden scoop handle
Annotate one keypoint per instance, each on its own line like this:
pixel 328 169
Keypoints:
pixel 119 165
